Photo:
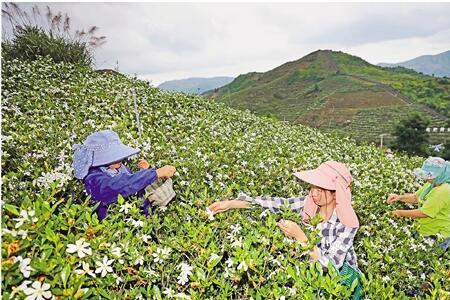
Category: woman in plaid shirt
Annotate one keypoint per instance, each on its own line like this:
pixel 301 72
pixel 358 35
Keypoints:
pixel 330 196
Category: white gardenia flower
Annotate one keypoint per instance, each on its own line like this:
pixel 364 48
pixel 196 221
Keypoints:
pixel 150 272
pixel 227 273
pixel 182 296
pixel 139 261
pixel 264 213
pixel 104 267
pixel 86 269
pixel 236 229
pixel 10 232
pixel 125 207
pixel 116 251
pixel 21 288
pixel 230 236
pixel 242 266
pixel 22 233
pixel 164 251
pixel 292 291
pixel 213 256
pixel 169 293
pixel 162 208
pixel 31 214
pixel 210 214
pixel 161 254
pixel 229 262
pixel 237 243
pixel 24 265
pixel 146 237
pixel 81 247
pixel 182 280
pixel 157 259
pixel 186 270
pixel 275 261
pixel 24 217
pixel 38 291
pixel 136 223
pixel 118 279
pixel 288 240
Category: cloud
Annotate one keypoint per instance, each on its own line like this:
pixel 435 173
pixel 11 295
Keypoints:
pixel 164 41
pixel 393 51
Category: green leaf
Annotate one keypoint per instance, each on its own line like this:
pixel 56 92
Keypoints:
pixel 156 293
pixel 12 209
pixel 65 273
pixel 104 293
pixel 212 263
pixel 120 199
pixel 88 217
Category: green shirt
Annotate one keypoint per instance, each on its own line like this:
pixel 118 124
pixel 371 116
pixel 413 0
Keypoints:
pixel 436 205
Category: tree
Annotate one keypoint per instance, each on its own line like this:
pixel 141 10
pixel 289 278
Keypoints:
pixel 446 152
pixel 411 135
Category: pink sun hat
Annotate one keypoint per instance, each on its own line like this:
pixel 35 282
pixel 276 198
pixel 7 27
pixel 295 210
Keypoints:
pixel 335 176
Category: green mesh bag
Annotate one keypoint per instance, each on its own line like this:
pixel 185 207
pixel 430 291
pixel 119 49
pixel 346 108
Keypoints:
pixel 351 275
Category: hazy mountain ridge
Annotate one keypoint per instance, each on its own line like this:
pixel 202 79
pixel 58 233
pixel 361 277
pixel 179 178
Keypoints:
pixel 195 85
pixel 437 65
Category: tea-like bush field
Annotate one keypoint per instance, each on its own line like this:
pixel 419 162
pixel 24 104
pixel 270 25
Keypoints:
pixel 53 246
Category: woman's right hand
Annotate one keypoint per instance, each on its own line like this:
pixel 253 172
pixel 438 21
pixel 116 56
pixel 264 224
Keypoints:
pixel 166 171
pixel 220 206
pixel 393 198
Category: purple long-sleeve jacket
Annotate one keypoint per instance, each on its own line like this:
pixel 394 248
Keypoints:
pixel 105 188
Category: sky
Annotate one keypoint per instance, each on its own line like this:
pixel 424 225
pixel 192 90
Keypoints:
pixel 167 41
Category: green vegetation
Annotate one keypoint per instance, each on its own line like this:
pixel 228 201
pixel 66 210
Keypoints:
pixel 52 240
pixel 29 36
pixel 422 89
pixel 335 91
pixel 411 135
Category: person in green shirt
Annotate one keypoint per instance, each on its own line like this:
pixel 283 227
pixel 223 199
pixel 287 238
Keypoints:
pixel 433 214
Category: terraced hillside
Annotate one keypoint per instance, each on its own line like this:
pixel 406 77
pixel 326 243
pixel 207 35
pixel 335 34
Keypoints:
pixel 54 246
pixel 335 91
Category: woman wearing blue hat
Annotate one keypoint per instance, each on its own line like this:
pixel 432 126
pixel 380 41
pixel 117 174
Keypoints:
pixel 98 163
pixel 433 214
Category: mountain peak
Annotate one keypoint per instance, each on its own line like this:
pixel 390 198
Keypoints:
pixel 335 90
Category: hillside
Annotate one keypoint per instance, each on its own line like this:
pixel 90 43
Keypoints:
pixel 219 152
pixel 334 90
pixel 196 85
pixel 435 65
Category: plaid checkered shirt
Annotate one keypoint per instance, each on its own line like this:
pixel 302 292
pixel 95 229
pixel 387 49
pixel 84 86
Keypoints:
pixel 336 244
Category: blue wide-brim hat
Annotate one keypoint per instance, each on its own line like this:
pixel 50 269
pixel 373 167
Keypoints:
pixel 436 170
pixel 100 148
pixel 431 168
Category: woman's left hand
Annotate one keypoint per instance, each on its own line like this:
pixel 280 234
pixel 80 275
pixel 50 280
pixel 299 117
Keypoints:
pixel 143 164
pixel 292 229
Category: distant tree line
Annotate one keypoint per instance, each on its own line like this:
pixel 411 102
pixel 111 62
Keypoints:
pixel 412 137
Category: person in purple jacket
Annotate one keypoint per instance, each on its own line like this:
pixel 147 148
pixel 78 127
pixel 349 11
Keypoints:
pixel 98 163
